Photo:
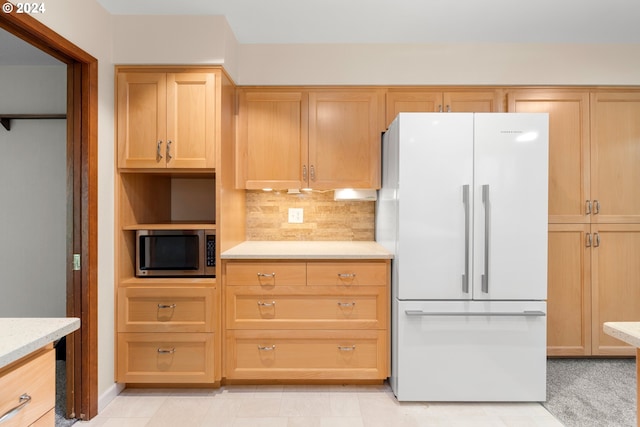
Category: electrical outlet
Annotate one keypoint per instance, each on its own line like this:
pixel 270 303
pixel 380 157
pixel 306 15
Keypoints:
pixel 295 215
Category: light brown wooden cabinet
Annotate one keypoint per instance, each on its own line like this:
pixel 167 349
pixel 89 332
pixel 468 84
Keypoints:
pixel 168 330
pixel 569 304
pixel 594 210
pixel 615 156
pixel 34 376
pixel 311 320
pixel 166 119
pixel 418 100
pixel 309 138
pixel 615 214
pixel 166 358
pixel 615 277
pixel 272 144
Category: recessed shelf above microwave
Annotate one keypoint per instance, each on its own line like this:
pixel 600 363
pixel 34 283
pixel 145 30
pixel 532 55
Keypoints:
pixel 178 225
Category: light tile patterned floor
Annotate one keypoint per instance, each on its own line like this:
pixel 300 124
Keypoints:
pixel 306 406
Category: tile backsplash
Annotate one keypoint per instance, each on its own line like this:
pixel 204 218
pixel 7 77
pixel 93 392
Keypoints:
pixel 323 218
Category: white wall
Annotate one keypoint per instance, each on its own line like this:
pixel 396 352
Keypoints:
pixel 441 64
pixel 161 39
pixel 33 174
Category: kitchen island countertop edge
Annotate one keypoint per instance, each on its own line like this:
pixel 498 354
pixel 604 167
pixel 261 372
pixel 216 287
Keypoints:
pixel 21 336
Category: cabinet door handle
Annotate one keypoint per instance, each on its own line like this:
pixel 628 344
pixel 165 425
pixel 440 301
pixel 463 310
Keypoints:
pixel 166 351
pixel 312 172
pixel 266 347
pixel 266 304
pixel 588 240
pixel 166 306
pixel 23 401
pixel 169 157
pixel 439 108
pixel 346 304
pixel 448 108
pixel 304 173
pixel 596 243
pixel 587 207
pixel 346 347
pixel 158 151
pixel 267 275
pixel 596 207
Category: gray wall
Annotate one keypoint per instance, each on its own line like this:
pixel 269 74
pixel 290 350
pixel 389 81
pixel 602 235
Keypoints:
pixel 33 193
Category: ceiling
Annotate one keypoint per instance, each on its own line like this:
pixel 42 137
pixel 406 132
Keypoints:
pixel 409 21
pixel 387 21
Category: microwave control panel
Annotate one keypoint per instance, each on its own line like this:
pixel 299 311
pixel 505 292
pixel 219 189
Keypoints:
pixel 211 250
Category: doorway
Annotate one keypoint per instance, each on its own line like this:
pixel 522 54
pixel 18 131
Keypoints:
pixel 81 290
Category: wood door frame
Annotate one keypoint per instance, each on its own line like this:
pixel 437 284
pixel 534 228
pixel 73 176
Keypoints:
pixel 82 203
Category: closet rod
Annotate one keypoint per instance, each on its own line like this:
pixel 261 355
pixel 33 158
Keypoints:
pixel 5 119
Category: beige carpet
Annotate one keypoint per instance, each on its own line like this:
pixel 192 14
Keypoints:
pixel 592 392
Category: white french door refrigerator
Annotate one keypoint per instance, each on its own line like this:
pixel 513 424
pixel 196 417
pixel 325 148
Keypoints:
pixel 463 208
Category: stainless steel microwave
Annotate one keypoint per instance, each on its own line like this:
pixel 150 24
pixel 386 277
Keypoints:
pixel 175 253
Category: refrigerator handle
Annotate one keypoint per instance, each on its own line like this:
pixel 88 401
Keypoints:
pixel 465 276
pixel 525 313
pixel 487 223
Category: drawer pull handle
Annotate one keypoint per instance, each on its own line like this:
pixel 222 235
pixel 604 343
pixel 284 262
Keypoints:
pixel 266 347
pixel 24 401
pixel 165 351
pixel 166 306
pixel 346 348
pixel 266 304
pixel 346 304
pixel 347 275
pixel 267 275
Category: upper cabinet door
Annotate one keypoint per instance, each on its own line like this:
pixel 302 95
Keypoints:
pixel 141 115
pixel 407 101
pixel 272 140
pixel 191 112
pixel 615 156
pixel 473 102
pixel 429 101
pixel 345 138
pixel 569 180
pixel 167 120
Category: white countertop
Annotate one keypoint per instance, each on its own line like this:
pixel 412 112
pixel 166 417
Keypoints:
pixel 255 249
pixel 22 336
pixel 628 332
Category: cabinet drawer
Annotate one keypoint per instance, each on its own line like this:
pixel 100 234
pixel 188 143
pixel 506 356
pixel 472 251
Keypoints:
pixel 47 420
pixel 266 274
pixel 306 308
pixel 348 273
pixel 165 357
pixel 155 309
pixel 35 378
pixel 306 355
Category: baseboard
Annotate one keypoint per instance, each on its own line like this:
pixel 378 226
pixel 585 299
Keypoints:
pixel 109 395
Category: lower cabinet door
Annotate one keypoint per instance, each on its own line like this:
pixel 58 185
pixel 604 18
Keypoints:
pixel 28 389
pixel 165 358
pixel 290 354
